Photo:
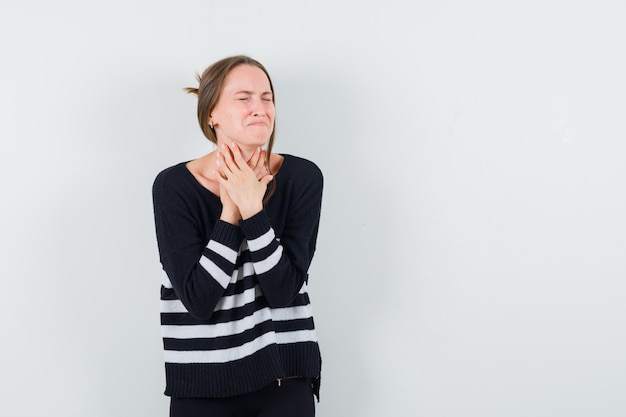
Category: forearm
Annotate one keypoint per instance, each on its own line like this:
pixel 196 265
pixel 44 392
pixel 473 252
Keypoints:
pixel 200 280
pixel 281 271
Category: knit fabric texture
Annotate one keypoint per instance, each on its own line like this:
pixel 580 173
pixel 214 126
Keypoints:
pixel 235 311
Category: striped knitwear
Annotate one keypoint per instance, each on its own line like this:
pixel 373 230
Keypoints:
pixel 235 311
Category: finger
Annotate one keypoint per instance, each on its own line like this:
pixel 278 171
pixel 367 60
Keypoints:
pixel 266 179
pixel 222 167
pixel 238 158
pixel 260 170
pixel 256 163
pixel 263 159
pixel 220 177
pixel 228 158
pixel 256 156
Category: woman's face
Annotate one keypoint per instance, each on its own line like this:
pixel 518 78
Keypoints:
pixel 245 110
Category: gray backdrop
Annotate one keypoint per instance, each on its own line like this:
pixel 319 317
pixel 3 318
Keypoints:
pixel 471 252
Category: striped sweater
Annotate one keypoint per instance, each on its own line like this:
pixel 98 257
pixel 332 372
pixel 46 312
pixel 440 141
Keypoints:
pixel 235 311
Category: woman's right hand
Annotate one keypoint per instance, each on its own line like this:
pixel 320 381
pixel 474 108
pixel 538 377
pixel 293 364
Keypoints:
pixel 258 163
pixel 230 212
pixel 239 181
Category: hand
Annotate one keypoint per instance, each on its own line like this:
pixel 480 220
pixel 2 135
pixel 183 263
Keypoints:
pixel 240 181
pixel 259 164
pixel 230 212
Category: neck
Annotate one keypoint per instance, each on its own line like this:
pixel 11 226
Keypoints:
pixel 246 151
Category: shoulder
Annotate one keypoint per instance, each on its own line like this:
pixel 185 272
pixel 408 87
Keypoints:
pixel 174 172
pixel 170 178
pixel 301 168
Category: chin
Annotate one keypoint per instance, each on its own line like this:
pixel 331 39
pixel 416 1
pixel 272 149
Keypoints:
pixel 260 141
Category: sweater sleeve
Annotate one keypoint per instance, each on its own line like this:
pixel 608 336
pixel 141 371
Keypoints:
pixel 198 271
pixel 281 264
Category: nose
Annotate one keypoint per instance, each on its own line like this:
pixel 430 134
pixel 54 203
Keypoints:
pixel 258 112
pixel 258 108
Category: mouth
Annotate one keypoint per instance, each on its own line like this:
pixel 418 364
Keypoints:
pixel 258 122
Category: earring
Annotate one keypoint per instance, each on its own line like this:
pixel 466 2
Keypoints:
pixel 211 124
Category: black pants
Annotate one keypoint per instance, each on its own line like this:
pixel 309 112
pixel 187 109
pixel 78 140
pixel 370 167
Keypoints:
pixel 293 398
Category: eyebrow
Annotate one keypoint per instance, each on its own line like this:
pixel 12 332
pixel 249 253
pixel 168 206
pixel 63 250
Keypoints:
pixel 252 92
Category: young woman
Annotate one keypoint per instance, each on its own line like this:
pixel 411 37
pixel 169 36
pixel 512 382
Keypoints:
pixel 236 231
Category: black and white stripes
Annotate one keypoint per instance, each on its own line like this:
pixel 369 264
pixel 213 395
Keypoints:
pixel 235 311
pixel 242 323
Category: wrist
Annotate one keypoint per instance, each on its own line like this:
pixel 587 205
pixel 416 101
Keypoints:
pixel 247 212
pixel 230 216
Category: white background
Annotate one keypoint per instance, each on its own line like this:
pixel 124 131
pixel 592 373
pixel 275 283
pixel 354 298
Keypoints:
pixel 471 253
